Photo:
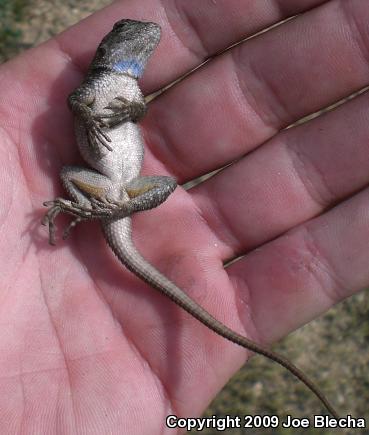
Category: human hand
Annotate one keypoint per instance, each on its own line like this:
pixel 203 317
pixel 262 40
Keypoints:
pixel 109 353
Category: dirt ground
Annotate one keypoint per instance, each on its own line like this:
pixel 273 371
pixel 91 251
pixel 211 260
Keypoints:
pixel 46 18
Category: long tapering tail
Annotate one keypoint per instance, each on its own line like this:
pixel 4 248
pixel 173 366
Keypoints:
pixel 118 236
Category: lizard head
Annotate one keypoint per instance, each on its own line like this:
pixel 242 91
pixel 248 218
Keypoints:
pixel 127 48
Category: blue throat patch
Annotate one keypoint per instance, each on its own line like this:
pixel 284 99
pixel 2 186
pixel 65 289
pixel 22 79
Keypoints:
pixel 131 66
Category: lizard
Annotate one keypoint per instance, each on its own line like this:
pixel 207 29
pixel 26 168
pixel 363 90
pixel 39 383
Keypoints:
pixel 106 107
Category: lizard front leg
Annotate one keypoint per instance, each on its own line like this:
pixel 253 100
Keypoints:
pixel 120 109
pixel 123 110
pixel 80 103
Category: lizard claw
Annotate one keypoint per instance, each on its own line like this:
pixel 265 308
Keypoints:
pixel 107 207
pixel 96 135
pixel 93 124
pixel 72 224
pixel 60 205
pixel 120 112
pixel 98 209
pixel 49 219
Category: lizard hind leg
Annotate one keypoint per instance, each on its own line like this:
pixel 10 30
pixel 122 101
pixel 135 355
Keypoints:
pixel 83 184
pixel 149 192
pixel 88 190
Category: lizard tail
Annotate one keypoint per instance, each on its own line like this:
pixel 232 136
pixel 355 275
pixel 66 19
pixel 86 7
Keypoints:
pixel 118 236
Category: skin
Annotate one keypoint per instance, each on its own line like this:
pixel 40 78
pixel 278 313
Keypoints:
pixel 87 347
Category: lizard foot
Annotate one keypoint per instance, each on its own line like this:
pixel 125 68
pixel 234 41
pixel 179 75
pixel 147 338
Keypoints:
pixel 92 123
pixel 99 209
pixel 96 135
pixel 122 110
pixel 60 205
pixel 110 208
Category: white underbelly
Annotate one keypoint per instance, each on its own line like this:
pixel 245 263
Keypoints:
pixel 124 161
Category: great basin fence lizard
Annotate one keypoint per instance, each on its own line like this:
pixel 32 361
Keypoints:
pixel 107 106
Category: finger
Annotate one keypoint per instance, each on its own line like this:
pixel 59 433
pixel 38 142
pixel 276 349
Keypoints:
pixel 247 95
pixel 298 276
pixel 294 177
pixel 191 30
pixel 47 73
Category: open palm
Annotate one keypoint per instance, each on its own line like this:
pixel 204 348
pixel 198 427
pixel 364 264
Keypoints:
pixel 86 347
